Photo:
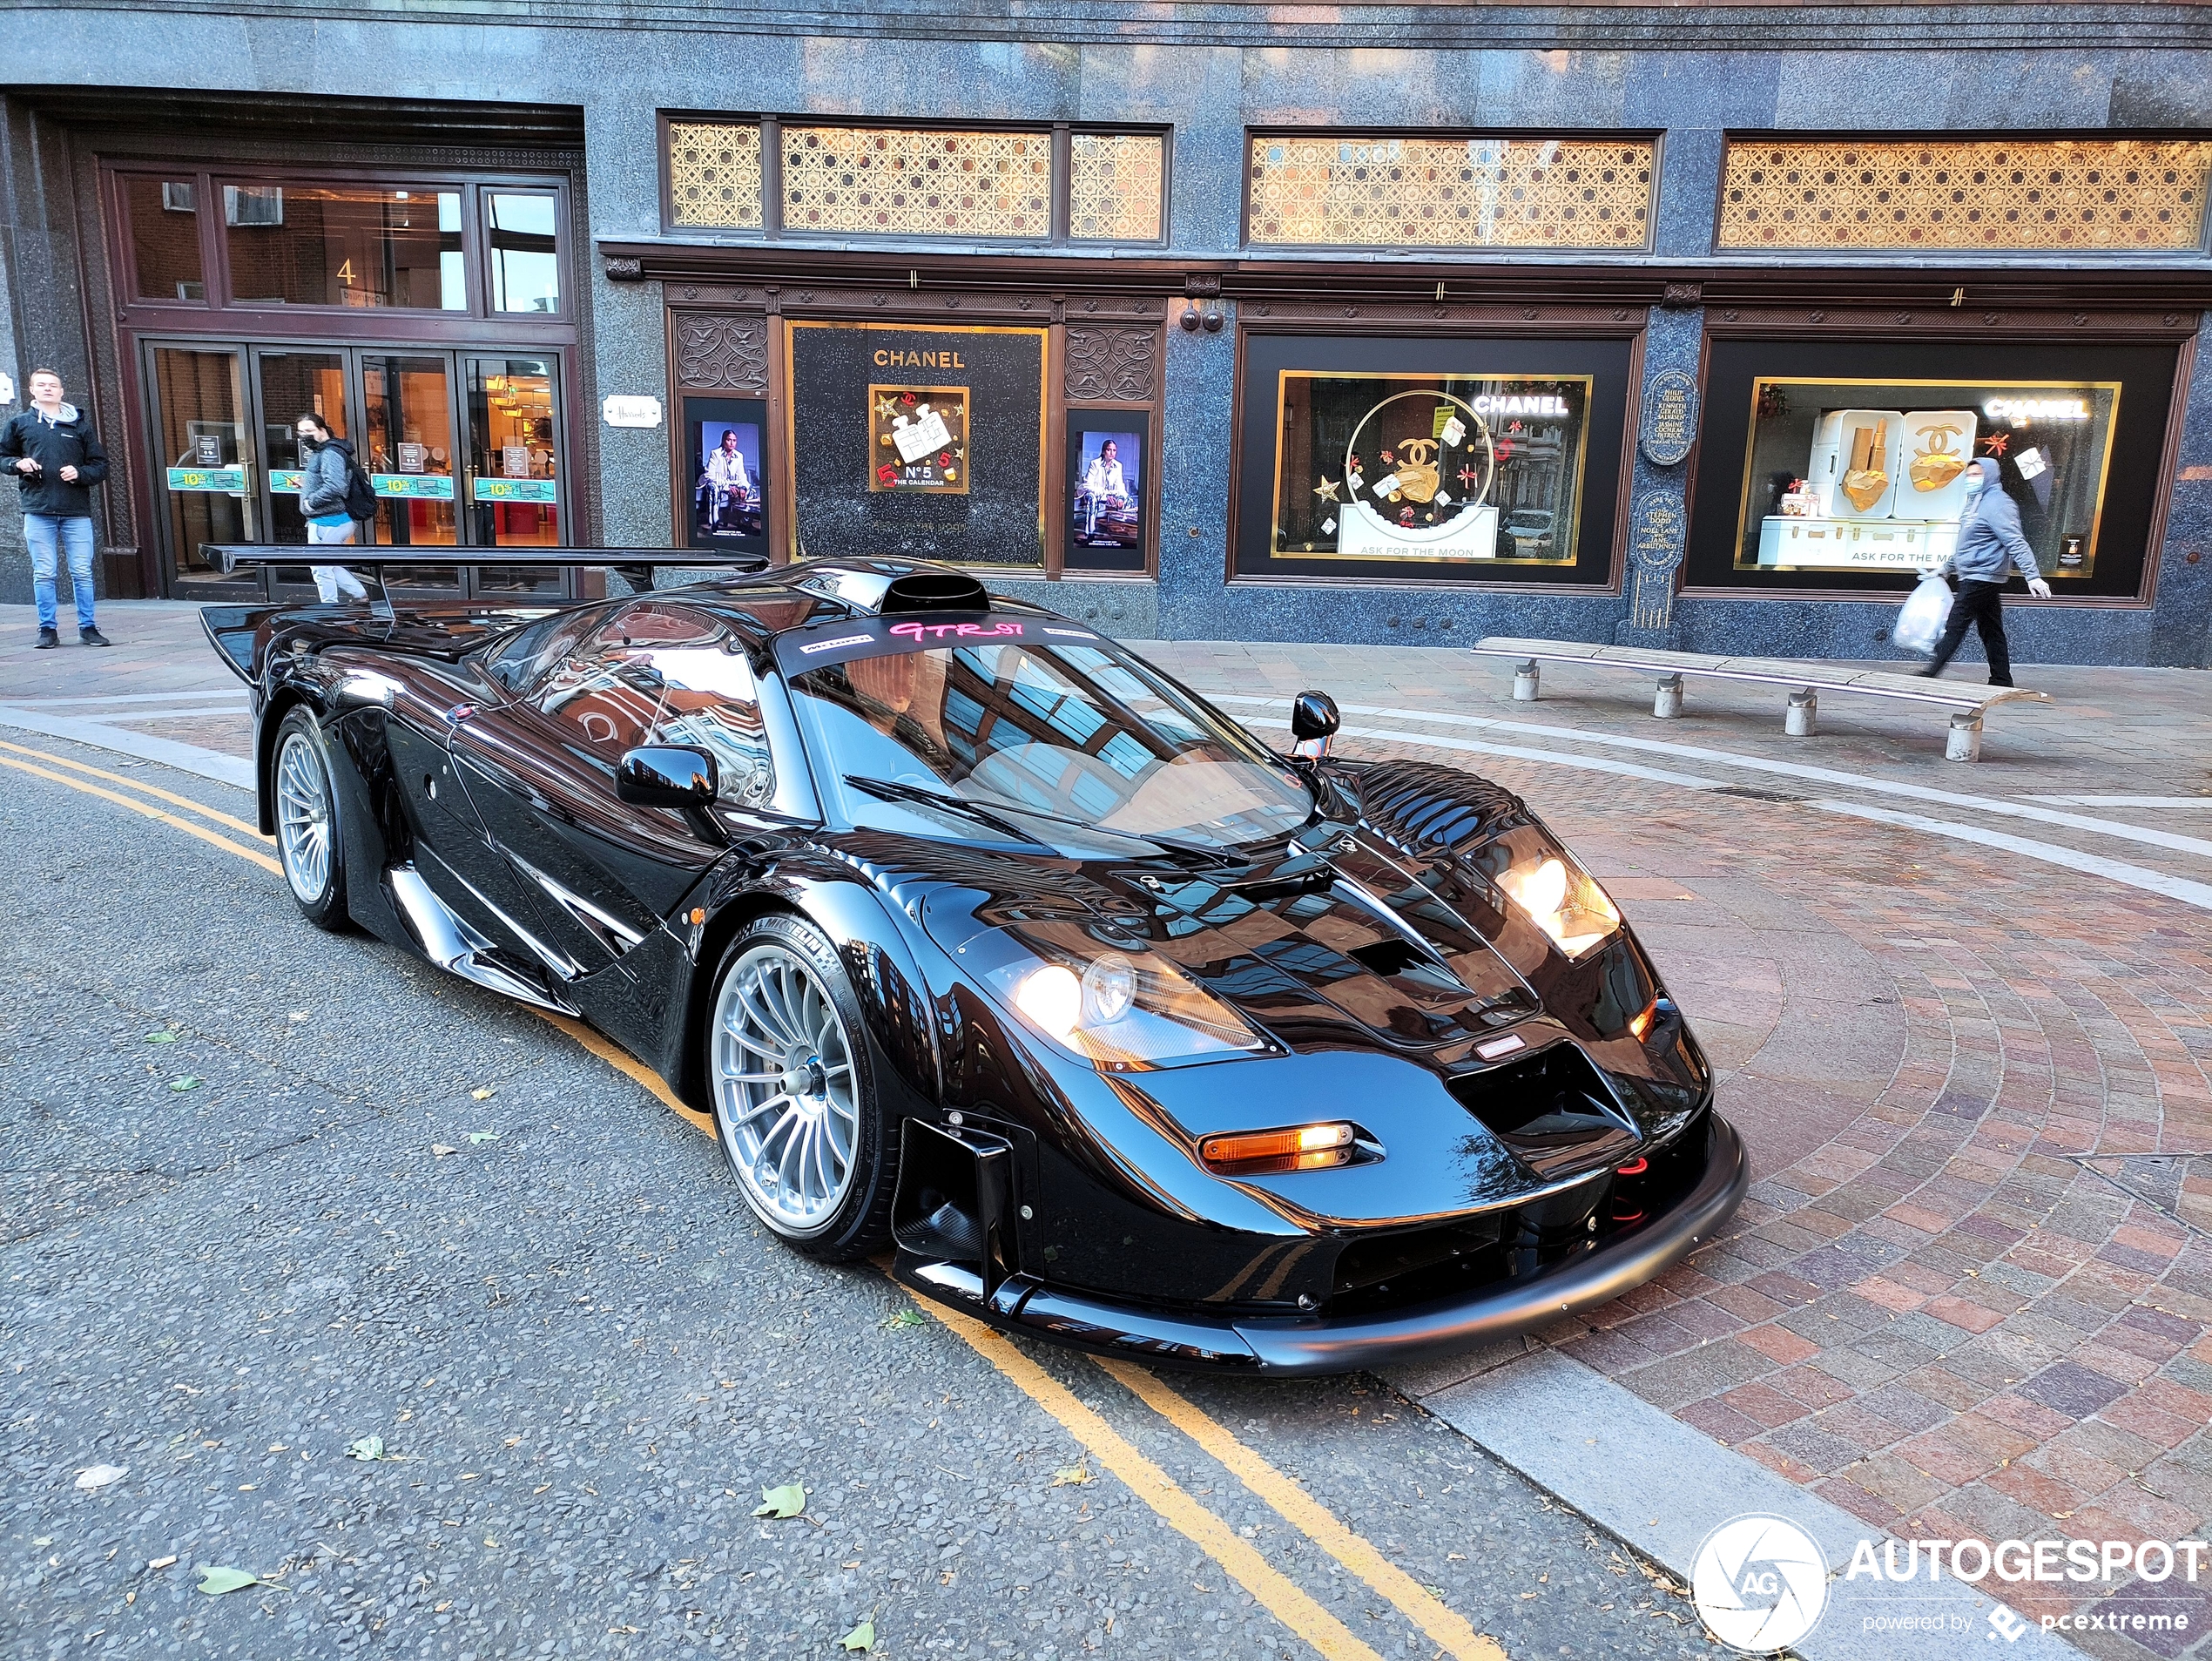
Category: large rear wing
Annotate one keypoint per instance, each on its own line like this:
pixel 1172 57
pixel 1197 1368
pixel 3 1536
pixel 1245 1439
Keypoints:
pixel 373 558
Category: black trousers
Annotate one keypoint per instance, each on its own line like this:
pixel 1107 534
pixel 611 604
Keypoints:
pixel 1981 603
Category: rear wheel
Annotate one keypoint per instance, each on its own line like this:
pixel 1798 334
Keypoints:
pixel 793 1080
pixel 307 821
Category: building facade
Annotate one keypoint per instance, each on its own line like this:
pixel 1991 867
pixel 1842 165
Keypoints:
pixel 1675 327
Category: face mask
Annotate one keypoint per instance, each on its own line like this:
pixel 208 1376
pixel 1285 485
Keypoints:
pixel 1974 482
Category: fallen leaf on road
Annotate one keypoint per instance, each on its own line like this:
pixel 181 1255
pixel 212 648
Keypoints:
pixel 162 1562
pixel 161 1035
pixel 861 1638
pixel 216 1582
pixel 442 1149
pixel 902 1318
pixel 483 1095
pixel 367 1448
pixel 788 1501
pixel 483 1135
pixel 1074 1476
pixel 101 1477
pixel 187 1083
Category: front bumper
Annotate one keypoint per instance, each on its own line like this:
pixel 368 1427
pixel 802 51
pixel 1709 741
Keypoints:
pixel 1296 1347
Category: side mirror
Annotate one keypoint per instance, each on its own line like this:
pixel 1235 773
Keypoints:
pixel 667 775
pixel 1314 719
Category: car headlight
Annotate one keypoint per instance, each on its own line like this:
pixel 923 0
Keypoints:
pixel 1120 1007
pixel 1554 891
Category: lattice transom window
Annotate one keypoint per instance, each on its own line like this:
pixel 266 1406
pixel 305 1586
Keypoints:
pixel 714 174
pixel 918 182
pixel 2116 194
pixel 1337 190
pixel 1114 185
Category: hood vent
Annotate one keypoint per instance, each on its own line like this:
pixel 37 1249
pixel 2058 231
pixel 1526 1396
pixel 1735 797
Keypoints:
pixel 1553 1110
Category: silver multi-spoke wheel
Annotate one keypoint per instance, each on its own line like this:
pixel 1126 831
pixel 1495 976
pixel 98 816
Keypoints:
pixel 784 1088
pixel 303 816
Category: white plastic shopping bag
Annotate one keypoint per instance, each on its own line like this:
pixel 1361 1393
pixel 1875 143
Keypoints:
pixel 1920 622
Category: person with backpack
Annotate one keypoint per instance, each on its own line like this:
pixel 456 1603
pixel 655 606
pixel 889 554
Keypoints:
pixel 330 501
pixel 56 458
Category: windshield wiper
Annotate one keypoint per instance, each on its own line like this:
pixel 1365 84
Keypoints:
pixel 895 790
pixel 1174 844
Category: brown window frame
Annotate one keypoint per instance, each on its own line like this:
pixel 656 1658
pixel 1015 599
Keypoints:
pixel 771 228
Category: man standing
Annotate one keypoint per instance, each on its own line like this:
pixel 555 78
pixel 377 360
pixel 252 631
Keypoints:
pixel 57 459
pixel 1989 544
pixel 326 472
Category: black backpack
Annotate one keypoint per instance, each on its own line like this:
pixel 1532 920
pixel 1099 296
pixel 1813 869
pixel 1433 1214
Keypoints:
pixel 361 495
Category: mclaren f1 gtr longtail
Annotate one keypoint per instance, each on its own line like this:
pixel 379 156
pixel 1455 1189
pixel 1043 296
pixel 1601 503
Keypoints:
pixel 978 935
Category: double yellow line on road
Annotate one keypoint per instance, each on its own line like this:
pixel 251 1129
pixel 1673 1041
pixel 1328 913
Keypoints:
pixel 1274 1590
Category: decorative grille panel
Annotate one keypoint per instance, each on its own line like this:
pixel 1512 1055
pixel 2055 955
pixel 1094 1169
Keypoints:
pixel 714 174
pixel 894 181
pixel 1114 186
pixel 2117 194
pixel 1336 190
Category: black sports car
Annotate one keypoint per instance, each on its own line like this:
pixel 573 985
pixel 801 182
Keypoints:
pixel 976 933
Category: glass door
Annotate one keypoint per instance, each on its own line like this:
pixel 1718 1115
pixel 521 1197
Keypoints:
pixel 289 384
pixel 512 477
pixel 410 428
pixel 205 478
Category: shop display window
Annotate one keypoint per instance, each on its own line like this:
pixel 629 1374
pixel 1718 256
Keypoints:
pixel 358 245
pixel 1841 465
pixel 1481 467
pixel 1871 474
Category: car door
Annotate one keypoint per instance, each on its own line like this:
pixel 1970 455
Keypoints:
pixel 540 772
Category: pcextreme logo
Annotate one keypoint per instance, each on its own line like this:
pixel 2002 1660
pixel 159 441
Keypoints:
pixel 1760 1583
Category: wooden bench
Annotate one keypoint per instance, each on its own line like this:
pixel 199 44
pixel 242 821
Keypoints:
pixel 1806 681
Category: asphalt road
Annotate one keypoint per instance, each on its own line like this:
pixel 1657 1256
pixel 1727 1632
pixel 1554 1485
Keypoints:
pixel 268 1192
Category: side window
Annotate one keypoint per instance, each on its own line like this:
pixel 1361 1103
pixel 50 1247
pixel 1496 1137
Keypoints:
pixel 525 655
pixel 661 673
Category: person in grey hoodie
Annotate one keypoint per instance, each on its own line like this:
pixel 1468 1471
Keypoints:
pixel 1990 545
pixel 326 467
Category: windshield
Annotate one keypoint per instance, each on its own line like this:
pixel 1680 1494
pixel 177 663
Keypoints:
pixel 1082 733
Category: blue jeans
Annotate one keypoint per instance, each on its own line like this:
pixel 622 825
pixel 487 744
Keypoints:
pixel 51 536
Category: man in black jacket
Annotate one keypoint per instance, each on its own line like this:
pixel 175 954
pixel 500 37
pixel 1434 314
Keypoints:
pixel 56 457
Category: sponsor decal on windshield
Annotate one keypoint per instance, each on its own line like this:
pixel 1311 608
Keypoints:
pixel 836 642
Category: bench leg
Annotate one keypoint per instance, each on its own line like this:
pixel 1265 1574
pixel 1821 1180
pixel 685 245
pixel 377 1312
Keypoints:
pixel 1964 741
pixel 1667 705
pixel 1797 719
pixel 1525 677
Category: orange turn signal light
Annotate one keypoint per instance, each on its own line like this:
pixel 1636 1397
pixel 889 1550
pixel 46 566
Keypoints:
pixel 1641 1023
pixel 1303 1147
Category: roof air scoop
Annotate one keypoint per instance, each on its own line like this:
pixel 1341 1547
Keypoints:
pixel 887 587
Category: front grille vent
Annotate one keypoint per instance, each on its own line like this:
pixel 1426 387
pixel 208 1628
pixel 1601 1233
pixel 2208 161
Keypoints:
pixel 1552 1109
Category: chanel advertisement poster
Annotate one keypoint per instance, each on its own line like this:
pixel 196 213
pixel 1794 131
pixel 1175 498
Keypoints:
pixel 1105 495
pixel 721 473
pixel 915 441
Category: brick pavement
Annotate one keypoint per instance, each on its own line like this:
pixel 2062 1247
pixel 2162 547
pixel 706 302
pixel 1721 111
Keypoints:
pixel 1970 1294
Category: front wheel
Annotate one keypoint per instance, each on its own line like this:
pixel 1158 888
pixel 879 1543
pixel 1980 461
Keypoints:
pixel 307 821
pixel 793 1080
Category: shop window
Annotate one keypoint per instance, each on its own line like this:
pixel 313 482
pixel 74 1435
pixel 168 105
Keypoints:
pixel 345 245
pixel 1849 467
pixel 1432 462
pixel 1114 187
pixel 918 181
pixel 1343 189
pixel 714 174
pixel 1998 195
pixel 164 215
pixel 523 250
